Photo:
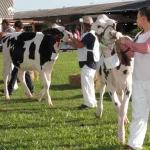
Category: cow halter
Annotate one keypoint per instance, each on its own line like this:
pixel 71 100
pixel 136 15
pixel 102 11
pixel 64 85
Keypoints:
pixel 102 39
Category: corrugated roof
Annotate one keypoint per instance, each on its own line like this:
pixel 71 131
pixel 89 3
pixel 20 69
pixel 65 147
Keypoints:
pixel 6 9
pixel 83 10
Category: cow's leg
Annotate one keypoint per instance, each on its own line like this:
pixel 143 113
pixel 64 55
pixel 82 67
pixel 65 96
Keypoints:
pixel 21 76
pixel 121 97
pixel 123 115
pixel 6 71
pixel 99 110
pixel 115 98
pixel 48 98
pixel 46 83
pixel 10 76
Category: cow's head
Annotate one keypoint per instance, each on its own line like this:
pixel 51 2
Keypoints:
pixel 59 33
pixel 106 29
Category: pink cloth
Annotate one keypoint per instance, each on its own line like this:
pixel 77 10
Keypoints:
pixel 78 34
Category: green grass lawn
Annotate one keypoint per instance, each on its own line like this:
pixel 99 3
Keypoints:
pixel 31 125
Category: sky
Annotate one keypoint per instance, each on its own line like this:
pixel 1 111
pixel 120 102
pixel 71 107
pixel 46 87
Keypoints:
pixel 25 5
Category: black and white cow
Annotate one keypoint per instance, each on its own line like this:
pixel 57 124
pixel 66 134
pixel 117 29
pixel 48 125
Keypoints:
pixel 115 72
pixel 33 51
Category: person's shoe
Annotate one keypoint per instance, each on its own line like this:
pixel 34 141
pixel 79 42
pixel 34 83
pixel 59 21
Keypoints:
pixel 127 147
pixel 83 106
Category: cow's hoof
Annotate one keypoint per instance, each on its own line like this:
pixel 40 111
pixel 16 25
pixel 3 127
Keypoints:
pixel 121 141
pixel 7 98
pixel 98 116
pixel 126 121
pixel 30 97
pixel 50 103
pixel 38 99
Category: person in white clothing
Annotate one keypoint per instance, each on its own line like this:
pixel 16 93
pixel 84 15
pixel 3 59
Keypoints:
pixel 140 50
pixel 88 57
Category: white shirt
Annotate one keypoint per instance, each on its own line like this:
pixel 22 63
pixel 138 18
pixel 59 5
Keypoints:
pixel 142 61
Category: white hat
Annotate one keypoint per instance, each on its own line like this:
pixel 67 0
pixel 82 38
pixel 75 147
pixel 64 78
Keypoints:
pixel 88 20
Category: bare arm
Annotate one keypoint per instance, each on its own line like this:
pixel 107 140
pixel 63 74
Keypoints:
pixel 76 43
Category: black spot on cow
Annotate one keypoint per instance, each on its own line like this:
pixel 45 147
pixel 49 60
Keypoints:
pixel 116 104
pixel 53 32
pixel 5 38
pixel 113 52
pixel 125 59
pixel 125 72
pixel 8 42
pixel 100 70
pixel 32 51
pixel 17 46
pixel 46 48
pixel 26 36
pixel 118 67
pixel 106 72
pixel 17 51
pixel 127 92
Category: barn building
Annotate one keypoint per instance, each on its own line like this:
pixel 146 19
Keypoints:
pixel 6 10
pixel 124 12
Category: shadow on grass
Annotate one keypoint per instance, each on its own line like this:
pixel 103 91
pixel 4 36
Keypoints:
pixel 13 147
pixel 31 110
pixel 64 87
pixel 106 148
pixel 113 147
pixel 68 98
pixel 19 100
pixel 1 82
pixel 106 96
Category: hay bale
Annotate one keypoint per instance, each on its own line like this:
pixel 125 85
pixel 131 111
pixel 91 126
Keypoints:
pixel 34 75
pixel 75 80
pixel 31 74
pixel 97 81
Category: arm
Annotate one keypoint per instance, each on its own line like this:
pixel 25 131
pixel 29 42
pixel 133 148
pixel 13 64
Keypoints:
pixel 130 53
pixel 76 43
pixel 143 48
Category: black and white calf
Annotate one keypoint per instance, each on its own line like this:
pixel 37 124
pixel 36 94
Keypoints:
pixel 33 51
pixel 115 72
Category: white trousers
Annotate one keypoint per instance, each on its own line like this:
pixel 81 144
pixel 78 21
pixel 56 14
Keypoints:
pixel 9 77
pixel 140 113
pixel 87 83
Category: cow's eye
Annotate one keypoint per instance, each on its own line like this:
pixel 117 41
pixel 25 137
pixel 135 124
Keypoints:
pixel 98 26
pixel 61 35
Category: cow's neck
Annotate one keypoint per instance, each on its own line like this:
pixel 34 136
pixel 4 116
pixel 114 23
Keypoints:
pixel 107 50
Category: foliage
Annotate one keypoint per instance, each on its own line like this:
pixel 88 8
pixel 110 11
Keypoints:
pixel 133 33
pixel 31 125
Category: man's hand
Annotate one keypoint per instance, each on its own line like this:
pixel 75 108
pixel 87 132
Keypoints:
pixel 70 42
pixel 70 36
pixel 123 47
